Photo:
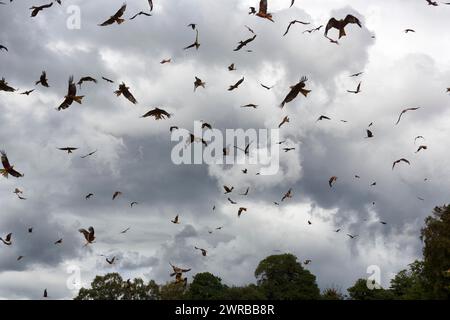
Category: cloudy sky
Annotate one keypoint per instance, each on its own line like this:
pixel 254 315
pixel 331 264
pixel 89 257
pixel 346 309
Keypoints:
pixel 134 154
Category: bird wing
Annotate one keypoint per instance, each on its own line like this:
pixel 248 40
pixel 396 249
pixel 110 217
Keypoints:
pixel 263 6
pixel 288 27
pixel 121 11
pixel 352 19
pixel 108 22
pixel 84 232
pixel 332 23
pixel 150 3
pixel 129 96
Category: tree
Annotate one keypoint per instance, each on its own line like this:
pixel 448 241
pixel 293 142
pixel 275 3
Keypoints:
pixel 360 291
pixel 281 277
pixel 206 286
pixel 112 287
pixel 172 291
pixel 332 294
pixel 436 252
pixel 410 284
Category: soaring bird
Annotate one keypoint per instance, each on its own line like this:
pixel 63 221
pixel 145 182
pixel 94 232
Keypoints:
pixel 19 258
pixel 332 180
pixel 352 236
pixel 400 160
pixel 2 47
pixel 71 96
pixel 247 148
pixel 358 89
pixel 43 80
pixel 116 17
pixel 294 22
pixel 249 29
pixel 322 118
pixel 418 137
pixel 422 148
pixel 107 80
pixel 116 194
pixel 341 24
pixel 409 30
pixel 250 105
pixel 204 252
pixel 404 111
pixel 68 149
pixel 125 230
pixel 150 3
pixel 243 43
pixel 88 235
pixel 133 203
pixel 17 191
pixel 7 168
pixel 266 87
pixel 285 120
pixel 27 92
pixel 292 3
pixel 177 270
pixel 37 9
pixel 192 138
pixel 88 155
pixel 295 90
pixel 111 261
pixel 7 239
pixel 157 113
pixel 140 13
pixel 196 44
pixel 231 201
pixel 246 192
pixel 288 149
pixel 88 196
pixel 236 85
pixel 356 74
pixel 306 262
pixel 262 13
pixel 228 189
pixel 198 83
pixel 314 29
pixel 176 220
pixel 252 10
pixel 5 87
pixel 85 79
pixel 123 89
pixel 164 61
pixel 287 195
pixel 369 134
pixel 231 67
pixel 59 241
pixel 432 3
pixel 240 210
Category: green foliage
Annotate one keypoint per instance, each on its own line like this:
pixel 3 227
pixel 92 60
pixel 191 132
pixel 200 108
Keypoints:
pixel 332 294
pixel 172 291
pixel 436 252
pixel 410 284
pixel 206 286
pixel 112 287
pixel 281 277
pixel 250 292
pixel 360 291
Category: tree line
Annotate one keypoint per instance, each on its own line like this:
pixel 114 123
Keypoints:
pixel 282 277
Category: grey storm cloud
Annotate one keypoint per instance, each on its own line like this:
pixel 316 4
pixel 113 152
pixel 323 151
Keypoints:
pixel 134 154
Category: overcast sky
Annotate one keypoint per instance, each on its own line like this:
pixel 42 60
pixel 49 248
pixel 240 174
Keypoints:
pixel 134 154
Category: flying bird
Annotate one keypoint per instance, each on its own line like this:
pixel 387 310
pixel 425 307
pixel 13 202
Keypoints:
pixel 8 169
pixel 71 96
pixel 140 13
pixel 404 111
pixel 86 79
pixel 27 92
pixel 116 194
pixel 192 25
pixel 295 90
pixel 332 180
pixel 177 270
pixel 125 231
pixel 88 235
pixel 58 241
pixel 37 9
pixel 231 201
pixel 157 113
pixel 43 80
pixel 418 137
pixel 250 29
pixel 288 149
pixel 341 24
pixel 5 87
pixel 88 196
pixel 294 22
pixel 198 83
pixel 204 252
pixel 432 3
pixel 231 67
pixel 369 134
pixel 176 220
pixel 116 18
pixel 243 43
pixel 323 118
pixel 285 120
pixel 196 44
pixel 287 195
pixel 409 30
pixel 150 3
pixel 7 241
pixel 266 87
pixel 422 148
pixel 2 47
pixel 133 203
pixel 110 261
pixel 166 61
pixel 262 13
pixel 400 160
pixel 250 105
pixel 314 29
pixel 107 80
pixel 352 236
pixel 89 154
pixel 123 89
pixel 246 192
pixel 68 149
pixel 356 74
pixel 236 85
pixel 240 210
pixel 228 189
pixel 358 89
